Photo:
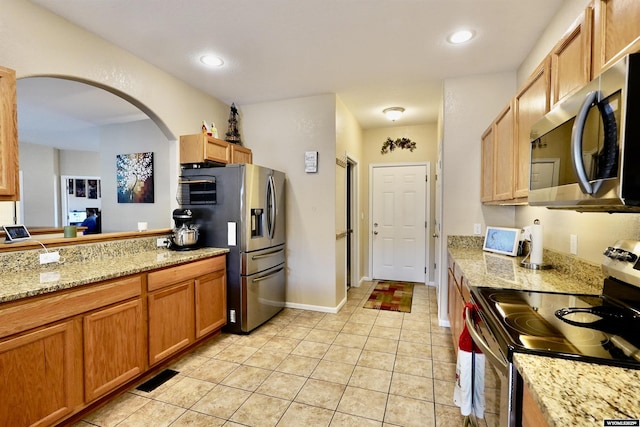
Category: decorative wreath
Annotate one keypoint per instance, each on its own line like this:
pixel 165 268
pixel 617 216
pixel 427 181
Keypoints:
pixel 404 143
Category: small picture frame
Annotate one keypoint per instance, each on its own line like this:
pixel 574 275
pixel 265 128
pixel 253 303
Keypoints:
pixel 502 240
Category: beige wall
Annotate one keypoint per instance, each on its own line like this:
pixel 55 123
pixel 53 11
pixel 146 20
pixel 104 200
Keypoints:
pixel 425 137
pixel 469 106
pixel 35 42
pixel 279 133
pixel 348 149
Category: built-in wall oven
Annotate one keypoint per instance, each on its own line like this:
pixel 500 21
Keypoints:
pixel 591 328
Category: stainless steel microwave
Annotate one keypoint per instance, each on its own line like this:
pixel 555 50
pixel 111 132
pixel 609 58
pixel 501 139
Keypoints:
pixel 585 153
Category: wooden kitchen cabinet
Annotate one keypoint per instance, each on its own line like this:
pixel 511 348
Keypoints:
pixel 531 414
pixel 616 31
pixel 114 347
pixel 9 182
pixel 571 58
pixel 40 382
pixel 211 302
pixel 486 178
pixel 458 295
pixel 503 166
pixel 497 159
pixel 200 148
pixel 185 303
pixel 531 103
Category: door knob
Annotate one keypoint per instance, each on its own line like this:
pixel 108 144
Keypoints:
pixel 435 235
pixel 375 224
pixel 375 232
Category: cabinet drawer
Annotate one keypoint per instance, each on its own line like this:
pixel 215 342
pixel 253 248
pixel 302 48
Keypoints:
pixel 161 278
pixel 21 316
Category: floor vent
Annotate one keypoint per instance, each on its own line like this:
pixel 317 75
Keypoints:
pixel 157 381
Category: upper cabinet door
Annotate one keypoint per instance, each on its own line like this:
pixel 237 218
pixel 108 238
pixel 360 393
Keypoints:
pixel 503 150
pixel 8 136
pixel 530 104
pixel 616 31
pixel 571 58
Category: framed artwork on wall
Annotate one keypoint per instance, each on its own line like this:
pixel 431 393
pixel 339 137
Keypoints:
pixel 80 185
pixel 70 188
pixel 134 176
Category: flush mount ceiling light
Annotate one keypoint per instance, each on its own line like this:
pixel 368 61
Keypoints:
pixel 461 36
pixel 212 60
pixel 393 113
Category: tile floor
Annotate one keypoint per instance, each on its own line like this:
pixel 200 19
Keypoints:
pixel 360 367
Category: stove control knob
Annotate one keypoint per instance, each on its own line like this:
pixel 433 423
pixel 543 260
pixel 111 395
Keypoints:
pixel 630 257
pixel 609 252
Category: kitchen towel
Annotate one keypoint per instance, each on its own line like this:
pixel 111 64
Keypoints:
pixel 468 392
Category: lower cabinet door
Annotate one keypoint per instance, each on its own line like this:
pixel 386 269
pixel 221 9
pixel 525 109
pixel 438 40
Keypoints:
pixel 211 302
pixel 114 350
pixel 37 376
pixel 171 320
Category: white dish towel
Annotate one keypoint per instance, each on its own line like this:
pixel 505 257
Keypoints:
pixel 468 393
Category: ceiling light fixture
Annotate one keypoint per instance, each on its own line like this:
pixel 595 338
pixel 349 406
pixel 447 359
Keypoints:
pixel 393 113
pixel 461 36
pixel 212 60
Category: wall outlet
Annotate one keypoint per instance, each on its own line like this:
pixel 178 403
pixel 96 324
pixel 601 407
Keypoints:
pixel 49 257
pixel 477 229
pixel 573 244
pixel 161 242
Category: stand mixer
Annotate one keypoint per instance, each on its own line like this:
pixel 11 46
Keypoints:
pixel 185 234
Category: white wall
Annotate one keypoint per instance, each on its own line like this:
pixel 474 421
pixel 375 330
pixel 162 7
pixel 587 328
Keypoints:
pixel 40 170
pixel 470 104
pixel 279 133
pixel 119 139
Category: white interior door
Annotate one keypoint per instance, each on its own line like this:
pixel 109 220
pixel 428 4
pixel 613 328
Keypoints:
pixel 398 222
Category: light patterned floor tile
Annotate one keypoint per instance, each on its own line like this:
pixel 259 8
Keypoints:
pixel 359 367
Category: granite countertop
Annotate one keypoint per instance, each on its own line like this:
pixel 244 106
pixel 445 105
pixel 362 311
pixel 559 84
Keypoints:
pixel 568 392
pixel 571 393
pixel 65 275
pixel 500 271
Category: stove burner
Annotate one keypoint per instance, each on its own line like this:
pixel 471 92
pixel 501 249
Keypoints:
pixel 510 298
pixel 529 323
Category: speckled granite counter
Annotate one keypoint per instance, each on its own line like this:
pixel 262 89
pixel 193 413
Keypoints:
pixel 573 393
pixel 500 271
pixel 569 393
pixel 87 264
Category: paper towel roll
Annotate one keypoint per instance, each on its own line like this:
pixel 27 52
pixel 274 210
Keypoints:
pixel 536 244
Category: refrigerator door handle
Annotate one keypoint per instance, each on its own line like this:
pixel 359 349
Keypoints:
pixel 268 254
pixel 271 207
pixel 265 277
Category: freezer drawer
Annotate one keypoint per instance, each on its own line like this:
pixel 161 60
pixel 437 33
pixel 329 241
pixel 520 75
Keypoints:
pixel 265 296
pixel 256 261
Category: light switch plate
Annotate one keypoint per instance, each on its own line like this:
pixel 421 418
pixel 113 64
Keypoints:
pixel 477 229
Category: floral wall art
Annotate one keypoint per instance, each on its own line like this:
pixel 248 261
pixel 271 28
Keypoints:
pixel 134 176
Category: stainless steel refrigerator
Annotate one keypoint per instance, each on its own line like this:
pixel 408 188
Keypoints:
pixel 248 217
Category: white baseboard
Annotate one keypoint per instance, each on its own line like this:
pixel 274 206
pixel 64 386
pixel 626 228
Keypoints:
pixel 320 308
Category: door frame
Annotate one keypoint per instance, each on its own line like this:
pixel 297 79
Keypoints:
pixel 427 212
pixel 353 206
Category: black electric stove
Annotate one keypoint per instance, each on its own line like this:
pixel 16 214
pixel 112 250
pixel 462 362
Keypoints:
pixel 602 329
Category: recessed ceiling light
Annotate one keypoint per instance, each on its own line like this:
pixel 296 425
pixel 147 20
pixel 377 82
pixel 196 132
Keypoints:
pixel 461 36
pixel 212 60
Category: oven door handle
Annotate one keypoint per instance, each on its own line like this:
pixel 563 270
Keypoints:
pixel 494 359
